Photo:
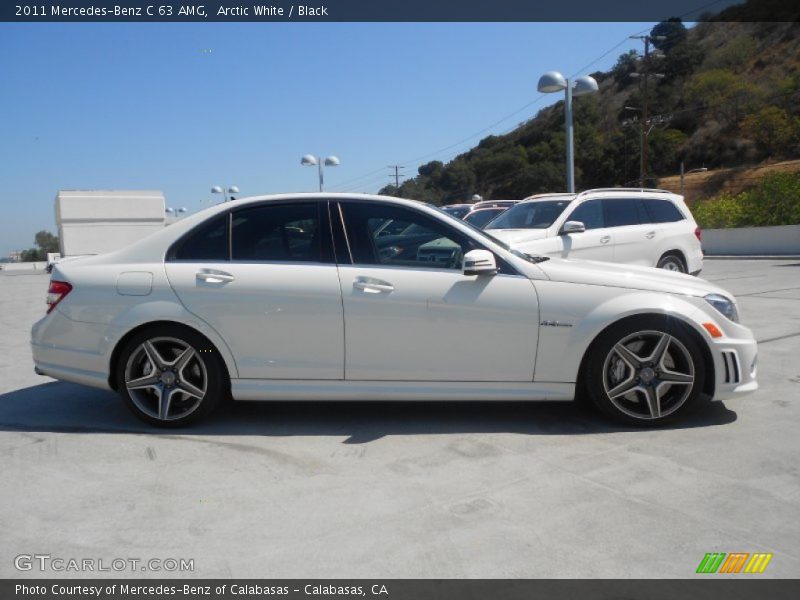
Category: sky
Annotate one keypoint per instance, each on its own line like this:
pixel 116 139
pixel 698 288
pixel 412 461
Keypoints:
pixel 182 107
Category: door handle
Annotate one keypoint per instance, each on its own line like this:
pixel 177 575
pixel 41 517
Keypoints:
pixel 367 284
pixel 215 276
pixel 605 239
pixel 650 235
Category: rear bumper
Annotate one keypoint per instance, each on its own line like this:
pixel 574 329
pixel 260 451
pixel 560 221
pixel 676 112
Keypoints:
pixel 694 260
pixel 70 350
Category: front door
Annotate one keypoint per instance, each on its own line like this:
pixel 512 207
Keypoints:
pixel 412 315
pixel 596 243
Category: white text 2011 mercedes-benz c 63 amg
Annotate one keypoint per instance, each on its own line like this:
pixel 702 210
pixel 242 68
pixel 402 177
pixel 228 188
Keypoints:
pixel 354 297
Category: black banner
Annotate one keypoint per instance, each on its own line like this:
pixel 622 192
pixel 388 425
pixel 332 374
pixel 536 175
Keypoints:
pixel 395 10
pixel 747 588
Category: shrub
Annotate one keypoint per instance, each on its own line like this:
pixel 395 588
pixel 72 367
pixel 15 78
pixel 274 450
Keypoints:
pixel 775 200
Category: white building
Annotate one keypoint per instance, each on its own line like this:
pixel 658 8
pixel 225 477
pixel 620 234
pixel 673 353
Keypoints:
pixel 98 221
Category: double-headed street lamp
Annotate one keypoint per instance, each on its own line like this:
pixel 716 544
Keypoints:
pixel 553 81
pixel 309 160
pixel 226 195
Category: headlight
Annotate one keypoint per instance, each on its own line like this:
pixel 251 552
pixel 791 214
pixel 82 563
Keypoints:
pixel 723 305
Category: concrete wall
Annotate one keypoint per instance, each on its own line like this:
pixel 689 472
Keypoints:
pixel 23 266
pixel 99 221
pixel 750 241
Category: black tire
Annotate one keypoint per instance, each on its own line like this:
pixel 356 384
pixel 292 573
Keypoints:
pixel 672 262
pixel 607 371
pixel 204 371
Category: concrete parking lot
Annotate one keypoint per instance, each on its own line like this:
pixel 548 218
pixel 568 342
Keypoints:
pixel 497 490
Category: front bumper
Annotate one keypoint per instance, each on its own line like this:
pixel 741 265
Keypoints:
pixel 734 366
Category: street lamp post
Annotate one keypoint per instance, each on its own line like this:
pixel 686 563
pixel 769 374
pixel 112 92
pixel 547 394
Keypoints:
pixel 553 81
pixel 697 170
pixel 309 160
pixel 218 189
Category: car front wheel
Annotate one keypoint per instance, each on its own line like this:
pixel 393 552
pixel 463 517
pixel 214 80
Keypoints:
pixel 645 371
pixel 170 376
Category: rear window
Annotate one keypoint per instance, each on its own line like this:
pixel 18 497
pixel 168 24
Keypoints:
pixel 208 241
pixel 662 211
pixel 277 233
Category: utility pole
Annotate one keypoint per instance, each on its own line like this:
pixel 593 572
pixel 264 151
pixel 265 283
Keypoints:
pixel 397 175
pixel 644 76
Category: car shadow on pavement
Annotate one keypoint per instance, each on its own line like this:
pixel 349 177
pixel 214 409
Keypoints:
pixel 67 408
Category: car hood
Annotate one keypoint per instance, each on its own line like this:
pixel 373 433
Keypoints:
pixel 516 236
pixel 632 277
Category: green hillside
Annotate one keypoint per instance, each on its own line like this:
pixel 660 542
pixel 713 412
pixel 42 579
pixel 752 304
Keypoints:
pixel 730 96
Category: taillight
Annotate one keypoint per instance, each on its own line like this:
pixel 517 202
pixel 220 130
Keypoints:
pixel 698 234
pixel 57 292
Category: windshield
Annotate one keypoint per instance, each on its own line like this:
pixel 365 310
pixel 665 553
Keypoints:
pixel 539 214
pixel 533 258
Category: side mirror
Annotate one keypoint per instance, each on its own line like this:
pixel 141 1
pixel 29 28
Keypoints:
pixel 573 227
pixel 479 262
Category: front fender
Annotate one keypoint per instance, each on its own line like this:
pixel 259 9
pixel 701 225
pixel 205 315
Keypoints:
pixel 571 319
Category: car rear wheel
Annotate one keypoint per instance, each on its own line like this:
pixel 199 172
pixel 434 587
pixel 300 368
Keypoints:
pixel 645 371
pixel 170 376
pixel 671 262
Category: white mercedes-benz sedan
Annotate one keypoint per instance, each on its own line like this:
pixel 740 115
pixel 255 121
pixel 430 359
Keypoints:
pixel 356 297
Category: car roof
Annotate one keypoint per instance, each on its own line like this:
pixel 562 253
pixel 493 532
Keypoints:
pixel 644 193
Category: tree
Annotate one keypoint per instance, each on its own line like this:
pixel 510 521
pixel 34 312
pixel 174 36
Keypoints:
pixel 682 60
pixel 724 93
pixel 626 64
pixel 45 242
pixel 431 169
pixel 665 146
pixel 772 129
pixel 672 30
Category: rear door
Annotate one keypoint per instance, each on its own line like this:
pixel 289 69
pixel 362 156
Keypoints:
pixel 265 279
pixel 596 243
pixel 636 241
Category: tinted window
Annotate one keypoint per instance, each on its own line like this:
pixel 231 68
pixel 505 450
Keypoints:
pixel 288 232
pixel 590 213
pixel 413 240
pixel 620 212
pixel 457 211
pixel 530 215
pixel 208 241
pixel 479 218
pixel 662 211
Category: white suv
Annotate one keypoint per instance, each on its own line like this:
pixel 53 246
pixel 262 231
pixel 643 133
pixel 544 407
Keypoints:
pixel 652 228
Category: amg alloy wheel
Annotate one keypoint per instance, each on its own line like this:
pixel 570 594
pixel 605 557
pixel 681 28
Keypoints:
pixel 170 378
pixel 645 376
